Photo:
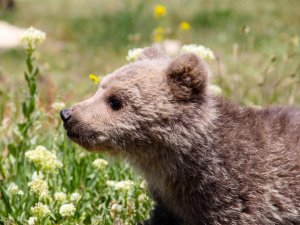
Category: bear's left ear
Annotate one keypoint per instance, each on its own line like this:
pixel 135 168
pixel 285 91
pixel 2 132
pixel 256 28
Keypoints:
pixel 187 77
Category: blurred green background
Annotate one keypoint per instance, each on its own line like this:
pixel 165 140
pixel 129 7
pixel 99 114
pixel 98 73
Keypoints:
pixel 256 42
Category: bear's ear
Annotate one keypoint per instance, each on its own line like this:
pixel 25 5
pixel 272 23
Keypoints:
pixel 152 53
pixel 187 77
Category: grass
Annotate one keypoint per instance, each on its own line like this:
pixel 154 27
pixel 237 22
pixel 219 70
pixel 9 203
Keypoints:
pixel 258 63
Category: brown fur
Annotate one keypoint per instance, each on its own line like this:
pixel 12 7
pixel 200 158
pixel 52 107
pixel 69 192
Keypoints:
pixel 207 161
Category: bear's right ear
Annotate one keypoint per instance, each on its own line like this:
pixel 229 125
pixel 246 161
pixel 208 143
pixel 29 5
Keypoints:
pixel 151 53
pixel 187 77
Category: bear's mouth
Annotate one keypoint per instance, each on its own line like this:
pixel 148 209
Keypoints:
pixel 91 141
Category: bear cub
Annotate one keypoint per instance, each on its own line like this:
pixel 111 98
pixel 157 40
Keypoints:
pixel 206 160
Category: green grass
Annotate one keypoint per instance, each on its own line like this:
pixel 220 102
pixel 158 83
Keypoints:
pixel 259 67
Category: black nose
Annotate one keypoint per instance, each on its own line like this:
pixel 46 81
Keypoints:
pixel 65 115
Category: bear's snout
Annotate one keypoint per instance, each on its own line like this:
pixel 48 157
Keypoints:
pixel 65 114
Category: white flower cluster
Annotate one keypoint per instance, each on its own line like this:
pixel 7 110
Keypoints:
pixel 32 37
pixel 60 196
pixel 142 198
pixel 39 187
pixel 40 210
pixel 32 220
pixel 100 164
pixel 199 50
pixel 67 210
pixel 120 185
pixel 115 209
pixel 133 54
pixel 43 159
pixel 14 189
pixel 75 197
pixel 215 89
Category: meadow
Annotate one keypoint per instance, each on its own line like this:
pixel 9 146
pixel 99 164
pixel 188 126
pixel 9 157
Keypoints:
pixel 44 177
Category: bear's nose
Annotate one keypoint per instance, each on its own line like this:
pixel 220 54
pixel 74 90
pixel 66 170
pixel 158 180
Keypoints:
pixel 65 114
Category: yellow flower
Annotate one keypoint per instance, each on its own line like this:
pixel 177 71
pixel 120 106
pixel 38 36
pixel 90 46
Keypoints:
pixel 185 25
pixel 160 11
pixel 158 34
pixel 94 78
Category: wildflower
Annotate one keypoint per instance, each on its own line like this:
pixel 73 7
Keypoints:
pixel 133 54
pixel 215 89
pixel 185 26
pixel 40 210
pixel 94 78
pixel 39 187
pixel 143 184
pixel 58 106
pixel 120 185
pixel 199 50
pixel 142 198
pixel 60 196
pixel 100 164
pixel 13 188
pixel 75 197
pixel 67 210
pixel 37 175
pixel 32 37
pixel 43 159
pixel 159 34
pixel 115 209
pixel 160 11
pixel 32 220
pixel 20 192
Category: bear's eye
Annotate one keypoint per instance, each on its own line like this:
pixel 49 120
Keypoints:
pixel 115 102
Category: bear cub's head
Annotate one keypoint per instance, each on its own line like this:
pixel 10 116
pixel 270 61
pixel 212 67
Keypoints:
pixel 138 104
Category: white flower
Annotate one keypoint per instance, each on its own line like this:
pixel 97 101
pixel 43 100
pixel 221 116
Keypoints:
pixel 143 184
pixel 67 209
pixel 120 185
pixel 13 188
pixel 199 50
pixel 39 187
pixel 60 196
pixel 40 210
pixel 142 198
pixel 37 175
pixel 43 159
pixel 32 220
pixel 133 54
pixel 100 164
pixel 115 209
pixel 75 197
pixel 58 106
pixel 32 37
pixel 20 192
pixel 215 89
